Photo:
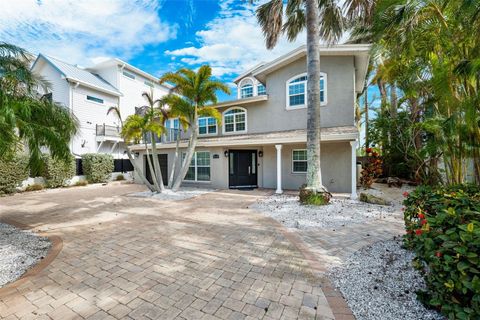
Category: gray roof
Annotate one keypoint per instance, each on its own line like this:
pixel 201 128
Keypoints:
pixel 81 75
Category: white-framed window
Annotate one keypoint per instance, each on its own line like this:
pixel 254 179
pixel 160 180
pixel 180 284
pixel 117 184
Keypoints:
pixel 235 120
pixel 94 99
pixel 128 75
pixel 299 161
pixel 207 125
pixel 148 83
pixel 297 91
pixel 199 169
pixel 246 91
pixel 261 90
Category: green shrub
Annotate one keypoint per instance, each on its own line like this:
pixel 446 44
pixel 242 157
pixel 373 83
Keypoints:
pixel 34 187
pixel 443 228
pixel 12 172
pixel 97 166
pixel 81 183
pixel 57 171
pixel 120 177
pixel 310 197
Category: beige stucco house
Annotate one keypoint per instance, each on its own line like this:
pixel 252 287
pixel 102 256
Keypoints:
pixel 262 138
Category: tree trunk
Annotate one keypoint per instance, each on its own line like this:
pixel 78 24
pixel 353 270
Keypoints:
pixel 175 159
pixel 139 171
pixel 192 143
pixel 365 89
pixel 152 172
pixel 314 173
pixel 156 165
pixel 393 101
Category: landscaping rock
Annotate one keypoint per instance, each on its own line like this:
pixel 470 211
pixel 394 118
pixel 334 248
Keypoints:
pixel 370 198
pixel 19 251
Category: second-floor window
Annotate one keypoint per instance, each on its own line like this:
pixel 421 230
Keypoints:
pixel 207 125
pixel 246 91
pixel 95 99
pixel 235 120
pixel 297 91
pixel 148 83
pixel 261 90
pixel 129 75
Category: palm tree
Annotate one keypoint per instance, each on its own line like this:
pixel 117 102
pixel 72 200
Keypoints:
pixel 137 168
pixel 191 93
pixel 26 118
pixel 321 19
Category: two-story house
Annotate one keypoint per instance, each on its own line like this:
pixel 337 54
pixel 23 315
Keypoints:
pixel 261 141
pixel 89 92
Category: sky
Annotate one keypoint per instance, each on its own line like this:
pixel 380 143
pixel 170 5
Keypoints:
pixel 154 35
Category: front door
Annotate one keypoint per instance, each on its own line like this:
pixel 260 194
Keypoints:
pixel 242 168
pixel 163 162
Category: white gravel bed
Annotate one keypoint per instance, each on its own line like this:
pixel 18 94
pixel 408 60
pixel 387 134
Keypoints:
pixel 339 212
pixel 19 250
pixel 379 283
pixel 182 194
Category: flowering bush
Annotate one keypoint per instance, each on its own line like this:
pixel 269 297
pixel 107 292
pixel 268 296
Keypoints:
pixel 443 228
pixel 372 169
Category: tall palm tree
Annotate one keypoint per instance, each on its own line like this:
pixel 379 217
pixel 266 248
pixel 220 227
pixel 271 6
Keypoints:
pixel 191 93
pixel 26 118
pixel 321 19
pixel 137 168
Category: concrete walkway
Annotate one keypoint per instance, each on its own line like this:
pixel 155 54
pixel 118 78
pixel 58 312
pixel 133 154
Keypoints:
pixel 129 258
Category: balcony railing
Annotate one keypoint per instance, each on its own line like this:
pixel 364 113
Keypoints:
pixel 169 136
pixel 106 130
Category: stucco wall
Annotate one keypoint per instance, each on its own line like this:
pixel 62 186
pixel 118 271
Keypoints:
pixel 336 167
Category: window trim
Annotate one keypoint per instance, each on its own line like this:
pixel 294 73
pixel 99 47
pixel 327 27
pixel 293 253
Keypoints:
pixel 293 170
pixel 303 106
pixel 264 86
pixel 207 134
pixel 149 84
pixel 95 102
pixel 234 132
pixel 247 85
pixel 124 75
pixel 184 154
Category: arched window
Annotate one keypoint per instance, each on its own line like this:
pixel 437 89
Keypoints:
pixel 235 120
pixel 246 88
pixel 297 91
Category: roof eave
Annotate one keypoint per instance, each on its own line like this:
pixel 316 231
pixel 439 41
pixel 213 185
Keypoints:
pixel 89 85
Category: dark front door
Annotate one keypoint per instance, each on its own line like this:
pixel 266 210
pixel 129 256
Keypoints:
pixel 242 168
pixel 163 161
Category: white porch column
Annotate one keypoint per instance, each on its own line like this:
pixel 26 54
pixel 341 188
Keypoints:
pixel 279 168
pixel 353 144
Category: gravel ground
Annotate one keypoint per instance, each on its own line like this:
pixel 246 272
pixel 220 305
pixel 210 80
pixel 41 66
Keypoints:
pixel 19 250
pixel 182 194
pixel 340 212
pixel 379 283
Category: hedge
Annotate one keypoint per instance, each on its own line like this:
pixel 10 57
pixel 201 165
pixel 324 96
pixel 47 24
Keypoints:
pixel 56 172
pixel 12 172
pixel 443 228
pixel 97 167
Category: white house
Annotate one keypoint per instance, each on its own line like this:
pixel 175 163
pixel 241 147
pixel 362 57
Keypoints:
pixel 89 92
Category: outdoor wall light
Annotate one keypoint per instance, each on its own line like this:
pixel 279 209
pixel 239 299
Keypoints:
pixel 226 153
pixel 260 154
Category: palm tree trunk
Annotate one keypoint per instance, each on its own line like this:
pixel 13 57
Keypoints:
pixel 314 173
pixel 156 164
pixel 175 159
pixel 152 172
pixel 139 171
pixel 192 143
pixel 365 89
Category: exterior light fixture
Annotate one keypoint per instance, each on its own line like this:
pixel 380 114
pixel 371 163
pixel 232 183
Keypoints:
pixel 260 154
pixel 226 153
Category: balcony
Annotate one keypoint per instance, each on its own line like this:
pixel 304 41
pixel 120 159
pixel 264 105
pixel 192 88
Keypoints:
pixel 169 136
pixel 108 133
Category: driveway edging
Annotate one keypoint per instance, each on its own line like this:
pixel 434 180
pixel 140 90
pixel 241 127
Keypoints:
pixel 56 247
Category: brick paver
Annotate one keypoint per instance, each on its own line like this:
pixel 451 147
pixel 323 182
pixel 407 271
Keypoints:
pixel 130 258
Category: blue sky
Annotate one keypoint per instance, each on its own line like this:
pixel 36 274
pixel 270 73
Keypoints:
pixel 154 35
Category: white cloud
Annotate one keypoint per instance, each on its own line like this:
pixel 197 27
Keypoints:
pixel 80 31
pixel 233 42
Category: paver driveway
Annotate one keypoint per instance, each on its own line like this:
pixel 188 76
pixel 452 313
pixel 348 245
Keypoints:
pixel 204 258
